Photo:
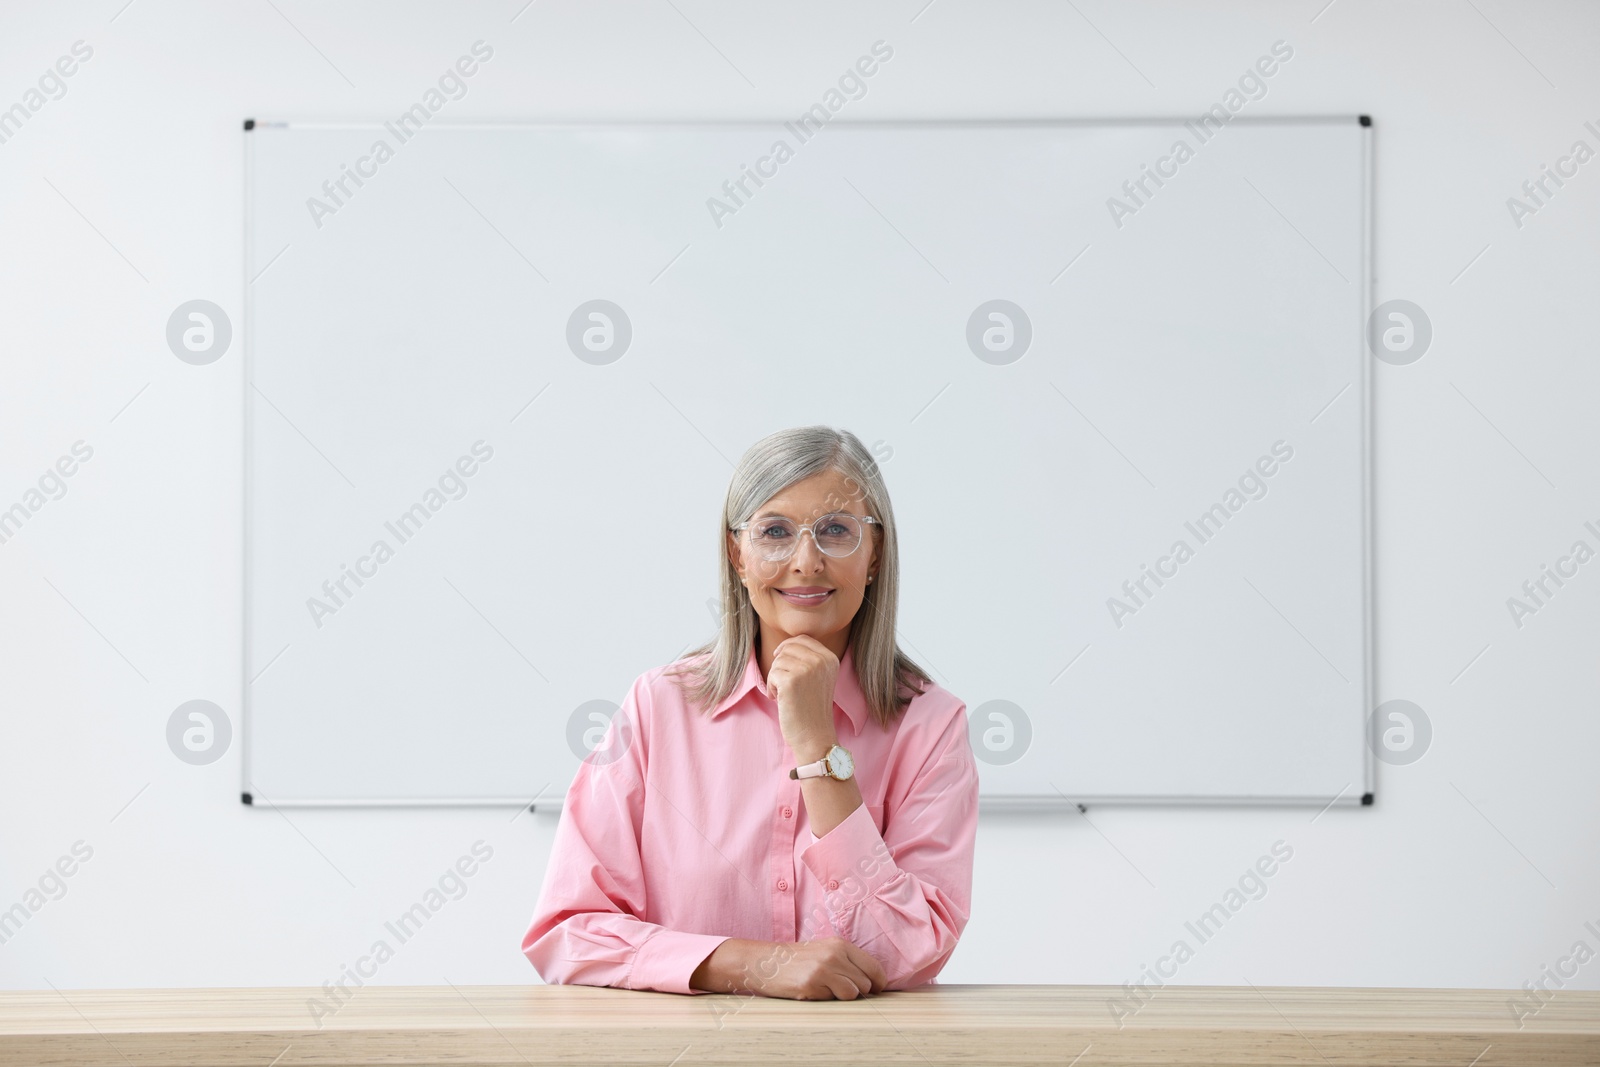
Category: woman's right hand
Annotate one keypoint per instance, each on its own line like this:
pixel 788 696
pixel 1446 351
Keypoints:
pixel 829 968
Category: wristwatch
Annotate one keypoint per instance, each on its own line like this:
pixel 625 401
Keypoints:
pixel 836 764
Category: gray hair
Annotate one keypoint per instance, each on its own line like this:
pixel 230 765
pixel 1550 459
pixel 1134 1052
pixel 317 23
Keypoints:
pixel 770 466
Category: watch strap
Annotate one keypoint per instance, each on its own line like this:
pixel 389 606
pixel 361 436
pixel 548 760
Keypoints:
pixel 818 769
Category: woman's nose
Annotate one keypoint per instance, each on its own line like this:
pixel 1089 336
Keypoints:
pixel 807 553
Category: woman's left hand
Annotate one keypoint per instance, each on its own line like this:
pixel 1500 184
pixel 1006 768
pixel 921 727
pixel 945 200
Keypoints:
pixel 801 677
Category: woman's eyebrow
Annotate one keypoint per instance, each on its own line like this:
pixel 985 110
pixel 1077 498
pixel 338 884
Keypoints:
pixel 769 514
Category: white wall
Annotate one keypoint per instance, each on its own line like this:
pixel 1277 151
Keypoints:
pixel 119 601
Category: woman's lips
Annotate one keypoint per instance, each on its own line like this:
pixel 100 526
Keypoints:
pixel 806 601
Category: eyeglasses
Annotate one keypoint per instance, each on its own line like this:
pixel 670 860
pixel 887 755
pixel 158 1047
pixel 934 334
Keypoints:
pixel 776 537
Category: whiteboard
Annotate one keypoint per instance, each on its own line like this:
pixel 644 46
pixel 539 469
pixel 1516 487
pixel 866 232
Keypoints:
pixel 417 376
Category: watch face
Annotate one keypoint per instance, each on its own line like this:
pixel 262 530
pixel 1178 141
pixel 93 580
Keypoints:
pixel 840 763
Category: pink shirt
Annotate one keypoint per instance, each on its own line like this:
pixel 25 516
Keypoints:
pixel 696 833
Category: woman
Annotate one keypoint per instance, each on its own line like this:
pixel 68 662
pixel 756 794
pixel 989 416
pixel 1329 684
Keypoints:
pixel 791 808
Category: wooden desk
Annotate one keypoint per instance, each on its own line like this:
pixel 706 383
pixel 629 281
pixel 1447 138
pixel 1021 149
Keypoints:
pixel 516 1026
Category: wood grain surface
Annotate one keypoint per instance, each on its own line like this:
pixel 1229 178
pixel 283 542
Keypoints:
pixel 946 1024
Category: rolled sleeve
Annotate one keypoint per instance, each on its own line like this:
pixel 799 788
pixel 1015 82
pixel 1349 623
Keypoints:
pixel 853 854
pixel 904 895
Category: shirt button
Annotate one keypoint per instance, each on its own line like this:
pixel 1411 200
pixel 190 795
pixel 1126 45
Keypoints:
pixel 783 885
pixel 832 884
pixel 787 813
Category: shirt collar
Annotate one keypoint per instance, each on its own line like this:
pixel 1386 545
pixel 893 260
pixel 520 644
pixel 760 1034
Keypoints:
pixel 847 695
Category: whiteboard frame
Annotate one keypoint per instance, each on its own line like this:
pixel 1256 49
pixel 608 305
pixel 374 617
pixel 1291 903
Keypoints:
pixel 992 803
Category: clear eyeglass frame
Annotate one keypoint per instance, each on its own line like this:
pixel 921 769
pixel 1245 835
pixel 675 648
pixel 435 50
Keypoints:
pixel 801 528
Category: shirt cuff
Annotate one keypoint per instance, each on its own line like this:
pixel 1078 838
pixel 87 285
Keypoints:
pixel 668 958
pixel 850 861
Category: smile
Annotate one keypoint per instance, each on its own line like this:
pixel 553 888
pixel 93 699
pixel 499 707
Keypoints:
pixel 805 601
